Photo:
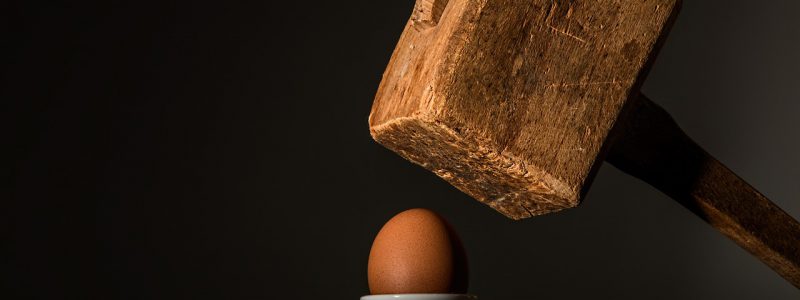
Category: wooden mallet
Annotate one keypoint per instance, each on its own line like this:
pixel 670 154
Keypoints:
pixel 518 102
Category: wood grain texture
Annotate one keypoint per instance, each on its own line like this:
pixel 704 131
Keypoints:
pixel 654 149
pixel 427 13
pixel 512 101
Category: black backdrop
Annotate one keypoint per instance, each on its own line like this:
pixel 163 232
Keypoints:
pixel 219 150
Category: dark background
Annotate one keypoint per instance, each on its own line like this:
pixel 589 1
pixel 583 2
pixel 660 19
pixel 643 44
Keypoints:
pixel 220 150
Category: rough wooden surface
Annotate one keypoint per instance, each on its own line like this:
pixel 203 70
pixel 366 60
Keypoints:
pixel 512 101
pixel 653 148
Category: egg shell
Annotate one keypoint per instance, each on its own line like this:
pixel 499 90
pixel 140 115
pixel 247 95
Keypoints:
pixel 417 251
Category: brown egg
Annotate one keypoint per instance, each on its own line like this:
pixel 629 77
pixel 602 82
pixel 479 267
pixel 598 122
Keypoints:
pixel 417 252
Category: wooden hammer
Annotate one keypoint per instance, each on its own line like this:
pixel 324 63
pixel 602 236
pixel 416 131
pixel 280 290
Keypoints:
pixel 517 103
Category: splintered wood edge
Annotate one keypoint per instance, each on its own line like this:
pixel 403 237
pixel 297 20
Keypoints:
pixel 502 182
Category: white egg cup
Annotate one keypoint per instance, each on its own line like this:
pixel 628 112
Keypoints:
pixel 420 297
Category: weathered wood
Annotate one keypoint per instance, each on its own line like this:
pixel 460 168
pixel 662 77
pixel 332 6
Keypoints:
pixel 654 149
pixel 427 13
pixel 512 101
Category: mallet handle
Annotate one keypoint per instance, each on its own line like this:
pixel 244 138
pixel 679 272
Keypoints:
pixel 651 147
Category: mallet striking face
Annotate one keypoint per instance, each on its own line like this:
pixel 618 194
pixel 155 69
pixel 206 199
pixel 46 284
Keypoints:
pixel 517 103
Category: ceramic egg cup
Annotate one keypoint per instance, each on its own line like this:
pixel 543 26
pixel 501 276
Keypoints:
pixel 420 297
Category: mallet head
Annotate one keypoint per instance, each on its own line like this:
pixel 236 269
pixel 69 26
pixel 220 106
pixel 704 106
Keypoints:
pixel 513 102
